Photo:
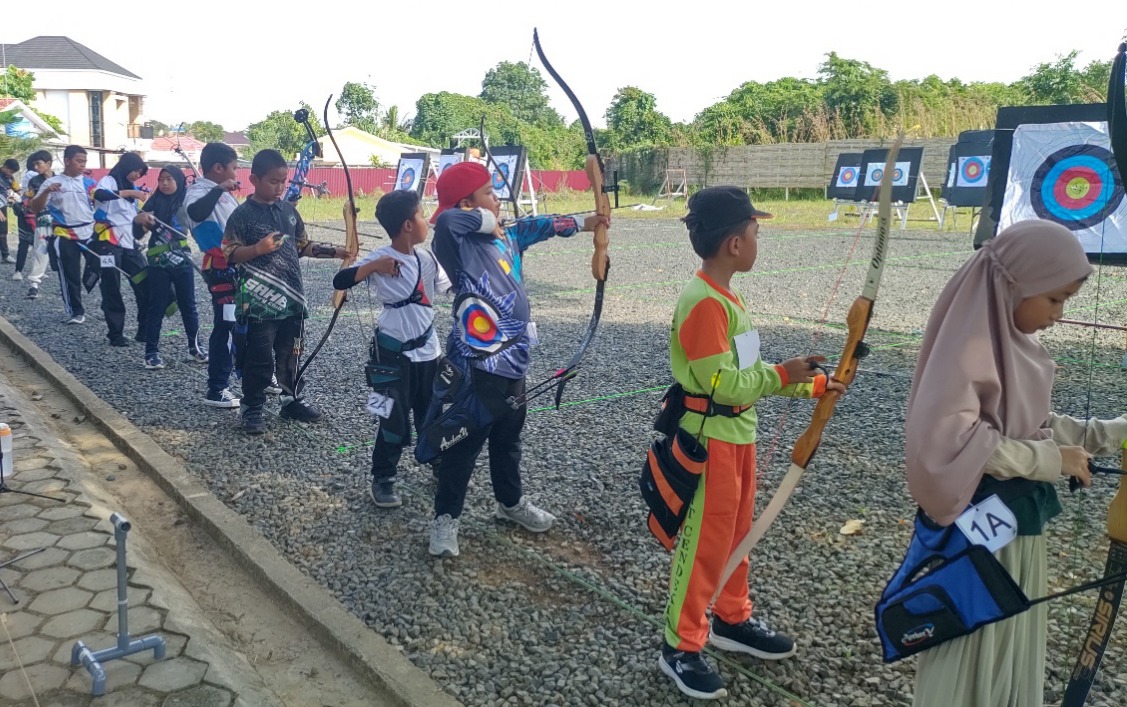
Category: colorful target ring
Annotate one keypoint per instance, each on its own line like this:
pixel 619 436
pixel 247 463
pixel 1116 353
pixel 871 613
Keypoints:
pixel 1077 187
pixel 974 169
pixel 408 179
pixel 478 320
pixel 878 174
pixel 848 177
pixel 501 176
pixel 897 175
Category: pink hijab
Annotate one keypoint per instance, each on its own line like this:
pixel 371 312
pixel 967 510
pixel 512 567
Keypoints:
pixel 978 378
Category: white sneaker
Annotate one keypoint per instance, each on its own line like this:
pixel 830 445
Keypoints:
pixel 222 399
pixel 527 515
pixel 273 388
pixel 17 276
pixel 9 259
pixel 444 536
pixel 77 319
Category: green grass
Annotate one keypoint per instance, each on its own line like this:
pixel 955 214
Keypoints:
pixel 795 213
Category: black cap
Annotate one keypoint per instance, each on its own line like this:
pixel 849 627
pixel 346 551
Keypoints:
pixel 717 208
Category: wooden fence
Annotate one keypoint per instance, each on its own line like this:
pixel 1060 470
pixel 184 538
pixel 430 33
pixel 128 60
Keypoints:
pixel 788 165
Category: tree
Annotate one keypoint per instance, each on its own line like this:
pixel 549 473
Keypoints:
pixel 279 131
pixel 634 121
pixel 858 92
pixel 1060 82
pixel 522 90
pixel 206 131
pixel 358 107
pixel 159 128
pixel 17 84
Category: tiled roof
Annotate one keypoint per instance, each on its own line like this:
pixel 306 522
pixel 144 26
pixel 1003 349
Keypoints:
pixel 168 144
pixel 60 53
pixel 235 139
pixel 5 102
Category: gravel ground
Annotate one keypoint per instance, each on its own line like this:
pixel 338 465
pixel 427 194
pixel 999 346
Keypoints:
pixel 572 618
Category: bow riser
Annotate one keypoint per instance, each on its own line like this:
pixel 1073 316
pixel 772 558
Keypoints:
pixel 860 313
pixel 600 260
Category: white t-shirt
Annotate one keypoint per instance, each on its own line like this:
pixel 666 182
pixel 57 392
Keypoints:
pixel 412 320
pixel 117 214
pixel 72 207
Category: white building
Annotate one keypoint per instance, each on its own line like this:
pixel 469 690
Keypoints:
pixel 99 102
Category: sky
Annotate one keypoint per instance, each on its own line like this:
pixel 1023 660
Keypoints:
pixel 689 57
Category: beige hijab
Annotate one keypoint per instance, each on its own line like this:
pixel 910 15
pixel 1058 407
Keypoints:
pixel 978 378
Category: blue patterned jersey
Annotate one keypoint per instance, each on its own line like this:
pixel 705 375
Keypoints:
pixel 491 308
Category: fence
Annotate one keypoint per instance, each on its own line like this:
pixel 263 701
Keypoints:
pixel 789 165
pixel 368 180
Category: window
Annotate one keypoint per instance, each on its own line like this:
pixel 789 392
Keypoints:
pixel 96 123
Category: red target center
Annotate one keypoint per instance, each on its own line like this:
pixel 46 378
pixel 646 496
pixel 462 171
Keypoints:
pixel 1077 187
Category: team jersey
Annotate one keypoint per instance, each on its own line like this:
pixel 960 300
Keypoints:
pixel 72 207
pixel 415 318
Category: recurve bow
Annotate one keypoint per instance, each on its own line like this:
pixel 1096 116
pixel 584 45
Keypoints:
pixel 857 321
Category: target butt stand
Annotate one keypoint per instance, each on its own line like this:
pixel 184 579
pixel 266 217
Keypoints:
pixel 125 646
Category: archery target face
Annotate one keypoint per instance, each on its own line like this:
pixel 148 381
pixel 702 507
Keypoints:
pixel 445 161
pixel 899 174
pixel 407 178
pixel 847 177
pixel 504 169
pixel 478 320
pixel 973 171
pixel 1065 172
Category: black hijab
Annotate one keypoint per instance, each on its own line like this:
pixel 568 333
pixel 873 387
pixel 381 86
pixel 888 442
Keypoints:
pixel 129 162
pixel 165 206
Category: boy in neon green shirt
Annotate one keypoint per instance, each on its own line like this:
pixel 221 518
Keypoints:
pixel 712 334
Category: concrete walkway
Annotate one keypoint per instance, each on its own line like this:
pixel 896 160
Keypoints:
pixel 67 593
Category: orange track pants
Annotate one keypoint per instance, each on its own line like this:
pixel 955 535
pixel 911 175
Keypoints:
pixel 719 517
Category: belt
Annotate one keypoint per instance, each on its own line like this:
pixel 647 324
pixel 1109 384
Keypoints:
pixel 700 404
pixel 396 346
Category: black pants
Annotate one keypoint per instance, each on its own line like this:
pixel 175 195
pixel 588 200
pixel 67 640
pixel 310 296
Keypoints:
pixel 52 254
pixel 70 260
pixel 165 287
pixel 4 233
pixel 456 465
pixel 411 396
pixel 132 262
pixel 269 350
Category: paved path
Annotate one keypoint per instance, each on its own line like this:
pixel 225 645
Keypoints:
pixel 68 592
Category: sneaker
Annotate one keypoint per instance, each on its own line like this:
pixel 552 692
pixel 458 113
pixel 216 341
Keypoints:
pixel 694 675
pixel 77 319
pixel 525 514
pixel 33 293
pixel 221 399
pixel 384 495
pixel 17 276
pixel 153 362
pixel 8 259
pixel 444 536
pixel 301 411
pixel 253 421
pixel 273 388
pixel 752 637
pixel 119 341
pixel 198 355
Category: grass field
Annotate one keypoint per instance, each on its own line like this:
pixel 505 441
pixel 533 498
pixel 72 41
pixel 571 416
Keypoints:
pixel 795 213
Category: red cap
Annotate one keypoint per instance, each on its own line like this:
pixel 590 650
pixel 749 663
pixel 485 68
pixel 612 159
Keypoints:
pixel 457 182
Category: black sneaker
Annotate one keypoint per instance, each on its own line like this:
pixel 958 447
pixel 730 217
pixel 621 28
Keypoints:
pixel 301 411
pixel 693 674
pixel 384 495
pixel 752 637
pixel 253 421
pixel 33 293
pixel 119 341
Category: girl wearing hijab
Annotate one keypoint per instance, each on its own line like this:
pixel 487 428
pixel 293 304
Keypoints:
pixel 170 267
pixel 115 207
pixel 979 425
